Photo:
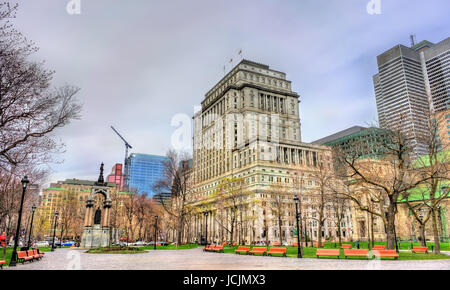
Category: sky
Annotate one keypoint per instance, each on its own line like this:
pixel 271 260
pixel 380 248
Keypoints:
pixel 139 63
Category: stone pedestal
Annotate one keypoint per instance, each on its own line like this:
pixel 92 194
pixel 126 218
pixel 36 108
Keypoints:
pixel 95 237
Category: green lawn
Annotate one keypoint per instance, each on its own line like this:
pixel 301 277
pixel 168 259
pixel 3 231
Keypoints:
pixel 9 253
pixel 172 247
pixel 310 252
pixel 117 250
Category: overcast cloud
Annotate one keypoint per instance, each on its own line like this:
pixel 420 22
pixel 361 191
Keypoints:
pixel 140 62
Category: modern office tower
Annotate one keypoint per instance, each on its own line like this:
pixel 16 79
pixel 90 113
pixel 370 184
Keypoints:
pixel 366 142
pixel 410 83
pixel 116 176
pixel 248 129
pixel 144 171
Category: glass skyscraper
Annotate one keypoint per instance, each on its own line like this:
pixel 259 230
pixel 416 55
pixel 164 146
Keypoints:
pixel 144 171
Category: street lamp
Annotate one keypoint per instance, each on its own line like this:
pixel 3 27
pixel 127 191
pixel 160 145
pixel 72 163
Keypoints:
pixel 156 227
pixel 24 182
pixel 299 253
pixel 33 209
pixel 60 240
pixel 54 231
pixel 205 213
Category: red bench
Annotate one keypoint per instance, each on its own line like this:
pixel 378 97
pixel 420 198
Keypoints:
pixel 218 249
pixel 420 250
pixel 277 244
pixel 23 257
pixel 379 247
pixel 36 255
pixel 258 250
pixel 346 246
pixel 356 253
pixel 277 251
pixel 316 245
pixel 242 250
pixel 209 248
pixel 328 253
pixel 2 263
pixel 386 254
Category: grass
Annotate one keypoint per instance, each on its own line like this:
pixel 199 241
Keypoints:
pixel 10 250
pixel 116 250
pixel 172 247
pixel 310 252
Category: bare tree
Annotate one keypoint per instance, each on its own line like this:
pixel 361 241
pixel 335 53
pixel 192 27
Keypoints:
pixel 30 110
pixel 177 181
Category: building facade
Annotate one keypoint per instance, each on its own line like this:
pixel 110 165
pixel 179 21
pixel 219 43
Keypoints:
pixel 144 171
pixel 69 199
pixel 249 130
pixel 410 83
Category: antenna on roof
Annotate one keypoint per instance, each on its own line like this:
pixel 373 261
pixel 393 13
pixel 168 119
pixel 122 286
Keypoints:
pixel 412 37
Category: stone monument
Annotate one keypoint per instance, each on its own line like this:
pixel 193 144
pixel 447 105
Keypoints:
pixel 96 231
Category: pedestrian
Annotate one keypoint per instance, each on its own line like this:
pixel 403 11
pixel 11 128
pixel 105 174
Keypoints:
pixel 357 244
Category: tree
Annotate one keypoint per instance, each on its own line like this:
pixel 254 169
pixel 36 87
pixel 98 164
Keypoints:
pixel 228 201
pixel 279 202
pixel 177 181
pixel 30 110
pixel 424 201
pixel 130 209
pixel 322 177
pixel 381 179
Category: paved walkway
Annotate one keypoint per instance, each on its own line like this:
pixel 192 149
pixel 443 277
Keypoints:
pixel 196 259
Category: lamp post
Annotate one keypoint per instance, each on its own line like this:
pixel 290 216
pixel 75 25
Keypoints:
pixel 205 213
pixel 299 253
pixel 156 228
pixel 54 231
pixel 24 182
pixel 33 209
pixel 60 240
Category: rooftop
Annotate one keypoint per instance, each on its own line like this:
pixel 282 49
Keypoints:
pixel 340 134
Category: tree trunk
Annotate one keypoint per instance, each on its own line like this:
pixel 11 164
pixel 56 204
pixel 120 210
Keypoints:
pixel 319 235
pixel 390 228
pixel 423 242
pixel 279 231
pixel 339 233
pixel 437 248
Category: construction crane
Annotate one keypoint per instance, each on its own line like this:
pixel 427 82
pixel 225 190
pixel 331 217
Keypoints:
pixel 127 146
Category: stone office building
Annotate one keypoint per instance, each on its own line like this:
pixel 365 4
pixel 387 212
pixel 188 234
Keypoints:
pixel 249 128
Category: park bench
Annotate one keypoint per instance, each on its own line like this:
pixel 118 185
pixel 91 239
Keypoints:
pixel 386 254
pixel 316 245
pixel 33 254
pixel 420 250
pixel 277 251
pixel 209 248
pixel 241 249
pixel 258 250
pixel 346 246
pixel 328 253
pixel 379 247
pixel 277 244
pixel 37 255
pixel 40 253
pixel 2 263
pixel 23 257
pixel 356 253
pixel 218 249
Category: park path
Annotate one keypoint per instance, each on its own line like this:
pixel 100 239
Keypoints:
pixel 196 259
